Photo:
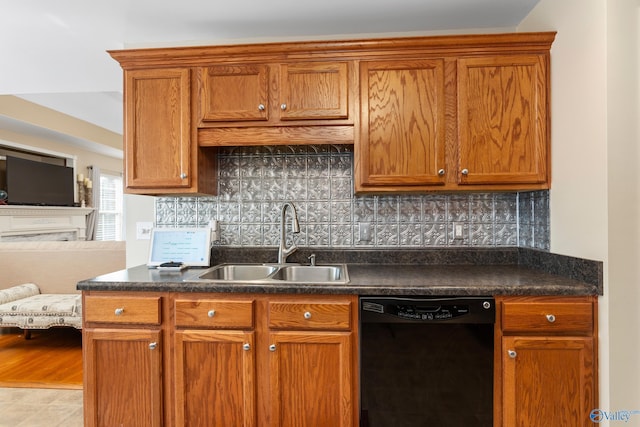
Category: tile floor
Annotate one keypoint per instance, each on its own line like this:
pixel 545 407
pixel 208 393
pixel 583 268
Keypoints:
pixel 40 407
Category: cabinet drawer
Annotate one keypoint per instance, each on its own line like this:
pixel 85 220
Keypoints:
pixel 213 313
pixel 301 315
pixel 565 317
pixel 117 309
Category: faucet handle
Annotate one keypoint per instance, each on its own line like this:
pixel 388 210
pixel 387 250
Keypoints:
pixel 312 259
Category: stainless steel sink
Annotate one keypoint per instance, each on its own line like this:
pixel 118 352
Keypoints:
pixel 238 272
pixel 311 273
pixel 276 273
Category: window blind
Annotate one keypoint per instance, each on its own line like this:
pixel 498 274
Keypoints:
pixel 110 211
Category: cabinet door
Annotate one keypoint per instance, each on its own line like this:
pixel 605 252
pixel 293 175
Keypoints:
pixel 157 128
pixel 548 381
pixel 311 379
pixel 502 120
pixel 313 91
pixel 215 378
pixel 402 141
pixel 122 377
pixel 235 93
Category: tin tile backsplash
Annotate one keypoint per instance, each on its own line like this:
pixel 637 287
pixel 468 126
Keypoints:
pixel 254 182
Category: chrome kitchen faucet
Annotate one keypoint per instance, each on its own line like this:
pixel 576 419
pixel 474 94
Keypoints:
pixel 283 251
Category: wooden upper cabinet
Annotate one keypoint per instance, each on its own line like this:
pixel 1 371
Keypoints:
pixel 235 93
pixel 161 155
pixel 402 138
pixel 314 91
pixel 273 93
pixel 157 134
pixel 443 113
pixel 502 120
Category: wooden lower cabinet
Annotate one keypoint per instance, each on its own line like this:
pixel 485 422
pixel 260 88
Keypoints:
pixel 259 360
pixel 215 378
pixel 123 356
pixel 123 377
pixel 311 379
pixel 546 361
pixel 271 360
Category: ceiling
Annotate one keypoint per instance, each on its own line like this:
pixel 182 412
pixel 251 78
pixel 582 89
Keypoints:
pixel 53 52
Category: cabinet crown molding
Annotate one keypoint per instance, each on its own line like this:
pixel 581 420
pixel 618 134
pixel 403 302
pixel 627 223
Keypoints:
pixel 444 45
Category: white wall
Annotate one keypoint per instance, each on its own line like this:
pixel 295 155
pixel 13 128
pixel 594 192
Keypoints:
pixel 137 209
pixel 623 198
pixel 594 196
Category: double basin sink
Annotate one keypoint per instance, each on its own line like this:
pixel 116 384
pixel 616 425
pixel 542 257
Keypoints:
pixel 276 273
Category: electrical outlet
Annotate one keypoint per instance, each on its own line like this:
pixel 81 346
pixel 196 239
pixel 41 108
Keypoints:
pixel 143 230
pixel 458 231
pixel 364 231
pixel 214 225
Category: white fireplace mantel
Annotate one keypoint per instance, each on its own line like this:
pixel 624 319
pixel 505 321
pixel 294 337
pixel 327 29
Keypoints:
pixel 43 223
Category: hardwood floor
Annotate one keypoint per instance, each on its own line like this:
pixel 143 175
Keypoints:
pixel 52 358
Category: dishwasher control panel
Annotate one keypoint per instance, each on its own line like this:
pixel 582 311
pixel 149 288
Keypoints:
pixel 458 310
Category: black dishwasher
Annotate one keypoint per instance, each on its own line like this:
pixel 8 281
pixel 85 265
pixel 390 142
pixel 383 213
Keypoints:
pixel 426 361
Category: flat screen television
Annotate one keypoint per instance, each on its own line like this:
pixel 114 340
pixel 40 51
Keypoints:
pixel 36 183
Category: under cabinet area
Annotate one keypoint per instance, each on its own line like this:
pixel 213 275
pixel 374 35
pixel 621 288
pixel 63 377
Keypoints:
pixel 546 361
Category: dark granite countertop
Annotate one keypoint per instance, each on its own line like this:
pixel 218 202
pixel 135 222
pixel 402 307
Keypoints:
pixel 510 271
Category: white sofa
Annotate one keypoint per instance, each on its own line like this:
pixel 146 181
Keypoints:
pixel 38 280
